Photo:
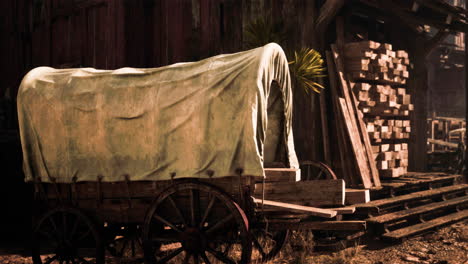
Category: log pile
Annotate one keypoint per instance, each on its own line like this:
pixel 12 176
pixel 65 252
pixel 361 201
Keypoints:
pixel 380 76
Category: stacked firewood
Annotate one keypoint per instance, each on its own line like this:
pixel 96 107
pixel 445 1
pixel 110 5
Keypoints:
pixel 380 76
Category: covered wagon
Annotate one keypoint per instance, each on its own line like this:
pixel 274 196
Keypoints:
pixel 164 157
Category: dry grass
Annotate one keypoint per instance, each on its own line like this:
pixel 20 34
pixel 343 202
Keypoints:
pixel 300 250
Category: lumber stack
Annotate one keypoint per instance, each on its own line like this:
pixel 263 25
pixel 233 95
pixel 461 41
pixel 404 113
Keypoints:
pixel 379 76
pixel 373 61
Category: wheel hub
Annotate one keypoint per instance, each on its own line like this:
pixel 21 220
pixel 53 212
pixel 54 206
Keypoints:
pixel 193 240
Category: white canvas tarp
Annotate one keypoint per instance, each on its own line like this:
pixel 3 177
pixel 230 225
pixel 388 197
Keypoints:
pixel 185 120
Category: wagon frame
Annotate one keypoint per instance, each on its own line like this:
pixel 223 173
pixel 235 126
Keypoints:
pixel 129 210
pixel 172 164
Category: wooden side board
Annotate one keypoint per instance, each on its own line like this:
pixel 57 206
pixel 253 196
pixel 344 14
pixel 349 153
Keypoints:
pixel 310 193
pixel 281 175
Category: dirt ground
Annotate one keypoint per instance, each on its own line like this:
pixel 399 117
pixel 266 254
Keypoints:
pixel 448 245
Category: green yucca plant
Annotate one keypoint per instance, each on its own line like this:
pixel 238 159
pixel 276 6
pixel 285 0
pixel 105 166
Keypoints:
pixel 306 68
pixel 307 65
pixel 263 31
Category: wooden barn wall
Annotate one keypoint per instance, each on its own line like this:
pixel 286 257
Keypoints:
pixel 150 33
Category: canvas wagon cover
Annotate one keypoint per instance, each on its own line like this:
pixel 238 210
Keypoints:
pixel 185 119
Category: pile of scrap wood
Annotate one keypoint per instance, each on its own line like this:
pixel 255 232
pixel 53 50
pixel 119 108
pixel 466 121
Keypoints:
pixel 374 76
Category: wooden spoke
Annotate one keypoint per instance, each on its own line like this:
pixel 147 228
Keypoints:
pixel 65 222
pixel 258 246
pixel 165 239
pixel 207 211
pixel 196 259
pixel 228 248
pixel 75 226
pixel 164 221
pixel 172 255
pixel 220 256
pixel 86 234
pixel 187 258
pixel 51 259
pixel 195 238
pixel 46 234
pixel 52 222
pixel 219 224
pixel 269 244
pixel 176 209
pixel 319 175
pixel 82 260
pixel 133 248
pixel 122 250
pixel 192 207
pixel 205 258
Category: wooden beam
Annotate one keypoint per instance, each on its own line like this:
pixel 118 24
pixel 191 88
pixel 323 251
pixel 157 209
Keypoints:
pixel 410 18
pixel 309 193
pixel 327 213
pixel 281 175
pixel 323 225
pixel 466 104
pixel 357 196
pixel 434 42
pixel 430 4
pixel 442 143
pixel 327 12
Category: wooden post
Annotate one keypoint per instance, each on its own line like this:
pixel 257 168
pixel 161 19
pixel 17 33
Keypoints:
pixel 466 103
pixel 432 134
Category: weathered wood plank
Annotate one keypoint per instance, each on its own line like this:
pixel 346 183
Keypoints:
pixel 281 175
pixel 423 227
pixel 323 225
pixel 345 163
pixel 348 109
pixel 415 196
pixel 396 216
pixel 362 164
pixel 442 143
pixel 310 193
pixel 297 208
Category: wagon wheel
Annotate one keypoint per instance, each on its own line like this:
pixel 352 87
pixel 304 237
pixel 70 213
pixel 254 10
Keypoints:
pixel 193 222
pixel 66 235
pixel 126 246
pixel 316 170
pixel 269 243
